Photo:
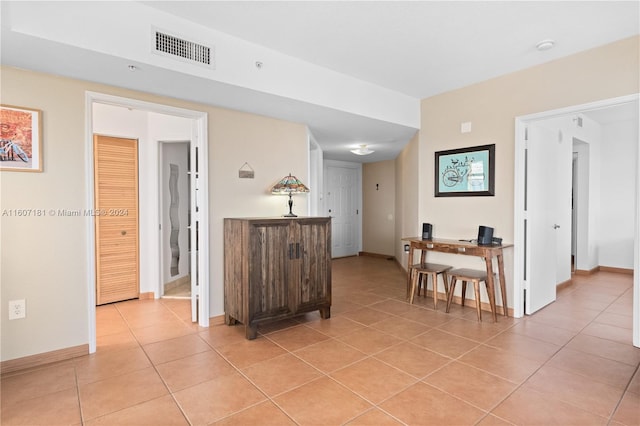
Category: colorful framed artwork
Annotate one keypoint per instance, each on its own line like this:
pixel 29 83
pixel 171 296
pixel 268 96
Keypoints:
pixel 465 172
pixel 20 139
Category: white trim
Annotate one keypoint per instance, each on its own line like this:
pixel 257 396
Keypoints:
pixel 200 140
pixel 519 216
pixel 518 222
pixel 636 273
pixel 200 137
pixel 579 108
pixel 90 222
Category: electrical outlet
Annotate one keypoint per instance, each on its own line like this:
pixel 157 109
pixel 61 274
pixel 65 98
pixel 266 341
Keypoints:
pixel 17 309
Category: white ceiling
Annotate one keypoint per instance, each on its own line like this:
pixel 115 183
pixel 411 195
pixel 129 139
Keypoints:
pixel 413 49
pixel 419 48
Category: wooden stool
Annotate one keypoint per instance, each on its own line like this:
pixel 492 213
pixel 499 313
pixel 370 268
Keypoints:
pixel 428 270
pixel 474 276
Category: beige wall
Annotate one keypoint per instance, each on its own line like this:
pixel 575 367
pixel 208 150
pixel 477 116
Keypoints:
pixel 378 207
pixel 44 259
pixel 407 196
pixel 491 106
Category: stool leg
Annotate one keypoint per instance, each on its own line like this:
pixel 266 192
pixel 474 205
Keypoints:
pixel 434 283
pixel 464 291
pixel 451 289
pixel 445 281
pixel 425 283
pixel 476 289
pixel 414 284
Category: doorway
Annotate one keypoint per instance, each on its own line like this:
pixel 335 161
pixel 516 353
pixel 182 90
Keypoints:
pixel 146 118
pixel 592 235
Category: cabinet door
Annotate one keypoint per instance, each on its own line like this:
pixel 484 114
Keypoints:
pixel 269 293
pixel 314 265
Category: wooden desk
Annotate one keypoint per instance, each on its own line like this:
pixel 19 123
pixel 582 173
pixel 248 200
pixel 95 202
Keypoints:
pixel 465 248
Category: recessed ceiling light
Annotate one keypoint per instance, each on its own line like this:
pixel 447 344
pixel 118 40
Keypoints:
pixel 363 150
pixel 545 45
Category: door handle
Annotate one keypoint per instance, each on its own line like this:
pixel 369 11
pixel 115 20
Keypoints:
pixel 291 251
pixel 297 250
pixel 556 226
pixel 123 233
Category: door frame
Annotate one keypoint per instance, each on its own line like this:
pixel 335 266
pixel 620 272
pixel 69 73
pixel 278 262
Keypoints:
pixel 521 123
pixel 199 139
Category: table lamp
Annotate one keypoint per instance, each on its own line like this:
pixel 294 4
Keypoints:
pixel 289 185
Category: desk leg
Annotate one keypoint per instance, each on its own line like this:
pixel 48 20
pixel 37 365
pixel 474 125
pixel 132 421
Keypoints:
pixel 503 284
pixel 409 263
pixel 491 292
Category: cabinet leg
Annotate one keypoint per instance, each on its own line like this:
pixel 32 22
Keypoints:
pixel 251 332
pixel 325 313
pixel 229 320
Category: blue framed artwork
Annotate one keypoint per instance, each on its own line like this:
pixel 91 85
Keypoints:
pixel 465 172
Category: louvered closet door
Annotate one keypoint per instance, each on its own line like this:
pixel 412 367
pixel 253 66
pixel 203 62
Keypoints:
pixel 116 204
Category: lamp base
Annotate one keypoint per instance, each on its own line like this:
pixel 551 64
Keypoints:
pixel 290 214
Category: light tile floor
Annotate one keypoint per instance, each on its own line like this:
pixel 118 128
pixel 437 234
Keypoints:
pixel 377 361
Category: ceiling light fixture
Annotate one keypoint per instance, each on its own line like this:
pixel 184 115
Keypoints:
pixel 545 45
pixel 363 150
pixel 132 68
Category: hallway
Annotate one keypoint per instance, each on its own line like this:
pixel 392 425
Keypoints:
pixel 376 361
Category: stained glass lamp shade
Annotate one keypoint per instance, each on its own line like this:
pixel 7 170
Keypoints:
pixel 289 185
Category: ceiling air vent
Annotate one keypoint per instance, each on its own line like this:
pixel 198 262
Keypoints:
pixel 181 48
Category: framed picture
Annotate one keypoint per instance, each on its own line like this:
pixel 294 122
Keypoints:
pixel 465 172
pixel 20 139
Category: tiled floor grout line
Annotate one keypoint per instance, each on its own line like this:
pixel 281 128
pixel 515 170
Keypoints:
pixel 141 346
pixel 243 374
pixel 404 340
pixel 368 356
pixel 166 385
pixel 75 373
pixel 552 356
pixel 328 376
pixel 626 389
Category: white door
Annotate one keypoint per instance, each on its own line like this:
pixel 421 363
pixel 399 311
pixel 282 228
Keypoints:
pixel 541 214
pixel 342 206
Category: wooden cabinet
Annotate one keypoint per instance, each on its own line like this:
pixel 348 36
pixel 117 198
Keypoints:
pixel 275 269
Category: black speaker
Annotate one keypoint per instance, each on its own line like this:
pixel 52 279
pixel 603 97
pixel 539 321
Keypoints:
pixel 427 231
pixel 485 235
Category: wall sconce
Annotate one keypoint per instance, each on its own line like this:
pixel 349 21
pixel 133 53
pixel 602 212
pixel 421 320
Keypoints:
pixel 289 185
